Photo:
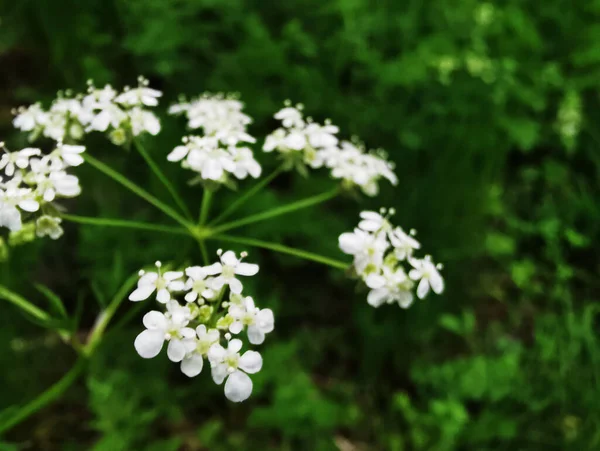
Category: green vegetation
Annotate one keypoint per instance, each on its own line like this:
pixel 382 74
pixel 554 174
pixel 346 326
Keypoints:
pixel 490 111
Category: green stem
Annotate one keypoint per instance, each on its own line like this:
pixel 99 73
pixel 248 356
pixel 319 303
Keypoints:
pixel 23 304
pixel 283 249
pixel 205 207
pixel 109 222
pixel 247 195
pixel 204 252
pixel 161 176
pixel 105 317
pixel 51 394
pixel 137 190
pixel 304 203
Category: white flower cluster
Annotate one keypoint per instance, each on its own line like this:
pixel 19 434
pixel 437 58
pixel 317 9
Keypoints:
pixel 200 324
pixel 379 251
pixel 302 141
pixel 219 152
pixel 121 114
pixel 31 182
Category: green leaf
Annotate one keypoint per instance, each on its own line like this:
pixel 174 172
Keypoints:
pixel 56 303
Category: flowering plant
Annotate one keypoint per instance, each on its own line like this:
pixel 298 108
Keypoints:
pixel 203 312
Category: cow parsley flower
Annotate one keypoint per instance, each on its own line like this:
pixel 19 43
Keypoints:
pixel 230 267
pixel 205 311
pixel 218 116
pixel 121 115
pixel 258 321
pixel 428 274
pixel 226 363
pixel 33 182
pixel 379 250
pixel 216 155
pixel 192 363
pixel 163 284
pixel 161 327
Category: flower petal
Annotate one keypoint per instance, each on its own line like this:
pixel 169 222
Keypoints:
pixel 234 345
pixel 255 335
pixel 176 350
pixel 163 296
pixel 423 288
pixel 155 320
pixel 246 269
pixel 192 366
pixel 149 343
pixel 142 293
pixel 235 286
pixel 251 362
pixel 238 387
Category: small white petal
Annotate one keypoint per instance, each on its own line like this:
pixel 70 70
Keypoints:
pixel 219 373
pixel 176 351
pixel 235 345
pixel 192 366
pixel 155 320
pixel 163 296
pixel 235 286
pixel 238 387
pixel 149 343
pixel 423 288
pixel 251 362
pixel 255 335
pixel 246 269
pixel 141 293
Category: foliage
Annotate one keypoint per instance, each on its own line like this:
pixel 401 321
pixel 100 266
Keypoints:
pixel 488 109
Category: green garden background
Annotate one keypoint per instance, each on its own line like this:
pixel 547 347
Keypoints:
pixel 490 111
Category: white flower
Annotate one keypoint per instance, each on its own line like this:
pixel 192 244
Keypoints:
pixel 428 274
pixel 227 363
pixel 70 155
pixel 10 217
pixel 199 284
pixel 373 222
pixel 56 183
pixel 290 117
pixel 109 115
pixel 20 159
pixel 322 136
pixel 392 285
pixel 258 321
pixel 141 95
pixel 403 243
pixel 192 363
pixel 218 116
pixel 245 163
pixel 368 249
pixel 163 284
pixel 208 159
pixel 143 121
pixel 166 327
pixel 49 226
pixel 30 118
pixel 229 267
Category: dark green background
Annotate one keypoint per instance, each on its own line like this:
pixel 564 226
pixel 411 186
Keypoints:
pixel 468 98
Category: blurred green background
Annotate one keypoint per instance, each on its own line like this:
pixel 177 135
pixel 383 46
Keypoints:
pixel 490 111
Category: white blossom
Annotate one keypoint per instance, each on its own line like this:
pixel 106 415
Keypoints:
pixel 199 283
pixel 169 327
pixel 428 276
pixel 230 267
pixel 192 363
pixel 380 250
pixel 258 321
pixel 391 285
pixel 228 364
pixel 163 284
